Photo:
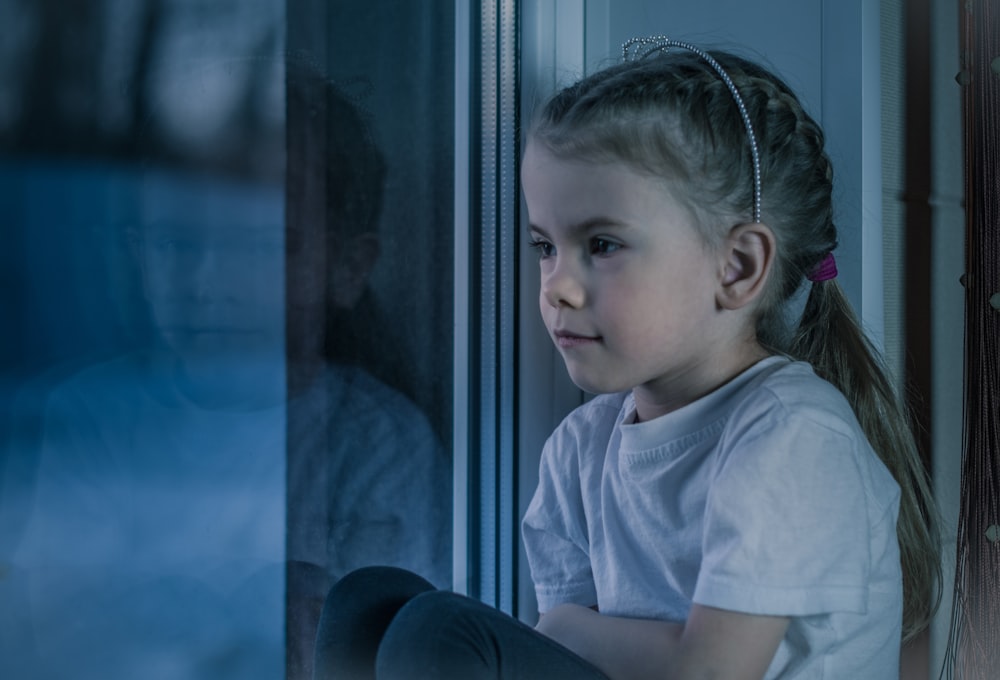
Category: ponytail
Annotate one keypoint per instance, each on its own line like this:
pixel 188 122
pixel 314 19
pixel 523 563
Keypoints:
pixel 830 338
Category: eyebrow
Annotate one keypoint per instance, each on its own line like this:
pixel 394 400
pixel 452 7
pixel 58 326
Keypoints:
pixel 585 226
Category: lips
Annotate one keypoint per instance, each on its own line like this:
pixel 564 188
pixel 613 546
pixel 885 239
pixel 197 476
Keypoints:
pixel 568 339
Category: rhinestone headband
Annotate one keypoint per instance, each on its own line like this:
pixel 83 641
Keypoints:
pixel 639 48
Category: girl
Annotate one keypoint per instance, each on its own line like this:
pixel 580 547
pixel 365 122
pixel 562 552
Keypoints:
pixel 744 500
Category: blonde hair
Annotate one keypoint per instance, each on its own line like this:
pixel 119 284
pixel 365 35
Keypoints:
pixel 670 115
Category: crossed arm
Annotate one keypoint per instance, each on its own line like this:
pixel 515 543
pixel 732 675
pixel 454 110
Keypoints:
pixel 712 643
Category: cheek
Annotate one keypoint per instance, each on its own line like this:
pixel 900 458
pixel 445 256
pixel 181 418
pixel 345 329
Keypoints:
pixel 639 314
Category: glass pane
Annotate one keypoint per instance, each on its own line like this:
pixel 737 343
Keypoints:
pixel 370 156
pixel 226 302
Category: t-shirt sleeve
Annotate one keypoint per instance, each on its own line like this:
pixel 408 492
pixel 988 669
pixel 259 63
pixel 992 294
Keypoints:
pixel 787 522
pixel 554 529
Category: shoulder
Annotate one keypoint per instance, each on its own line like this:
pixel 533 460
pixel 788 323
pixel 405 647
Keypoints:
pixel 102 390
pixel 109 372
pixel 361 386
pixel 798 502
pixel 591 424
pixel 793 427
pixel 798 427
pixel 792 391
pixel 361 400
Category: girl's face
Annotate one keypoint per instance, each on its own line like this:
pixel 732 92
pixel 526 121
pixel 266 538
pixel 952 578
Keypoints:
pixel 628 287
pixel 213 261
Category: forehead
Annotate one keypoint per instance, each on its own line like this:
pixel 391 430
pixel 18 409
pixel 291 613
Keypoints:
pixel 566 191
pixel 179 202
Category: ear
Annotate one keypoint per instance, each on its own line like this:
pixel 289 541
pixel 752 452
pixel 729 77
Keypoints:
pixel 350 266
pixel 746 260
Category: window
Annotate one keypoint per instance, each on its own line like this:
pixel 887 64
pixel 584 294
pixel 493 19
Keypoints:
pixel 229 310
pixel 266 314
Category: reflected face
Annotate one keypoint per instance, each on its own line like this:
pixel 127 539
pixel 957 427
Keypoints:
pixel 213 262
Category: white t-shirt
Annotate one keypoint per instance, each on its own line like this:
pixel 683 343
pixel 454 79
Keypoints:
pixel 763 497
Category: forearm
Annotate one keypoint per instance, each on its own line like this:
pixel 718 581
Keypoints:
pixel 712 643
pixel 622 648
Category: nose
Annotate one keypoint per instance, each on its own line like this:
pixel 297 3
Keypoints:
pixel 212 276
pixel 562 284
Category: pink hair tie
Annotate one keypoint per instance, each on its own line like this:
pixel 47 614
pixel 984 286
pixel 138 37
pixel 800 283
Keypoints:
pixel 825 270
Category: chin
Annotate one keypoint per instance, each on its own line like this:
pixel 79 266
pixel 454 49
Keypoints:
pixel 594 385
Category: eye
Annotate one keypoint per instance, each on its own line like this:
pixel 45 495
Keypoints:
pixel 542 247
pixel 602 246
pixel 165 244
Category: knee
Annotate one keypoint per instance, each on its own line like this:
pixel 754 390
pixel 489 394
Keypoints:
pixel 380 579
pixel 431 636
pixel 368 586
pixel 357 611
pixel 428 614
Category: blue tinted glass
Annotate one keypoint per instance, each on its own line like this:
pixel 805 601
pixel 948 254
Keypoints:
pixel 226 303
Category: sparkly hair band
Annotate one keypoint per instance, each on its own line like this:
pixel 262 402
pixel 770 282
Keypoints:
pixel 639 48
pixel 825 270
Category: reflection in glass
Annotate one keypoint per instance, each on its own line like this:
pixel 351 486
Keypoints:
pixel 210 415
pixel 376 477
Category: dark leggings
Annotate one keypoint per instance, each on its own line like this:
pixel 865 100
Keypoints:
pixel 388 623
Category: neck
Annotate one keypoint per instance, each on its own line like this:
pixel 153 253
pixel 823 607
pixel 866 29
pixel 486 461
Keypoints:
pixel 671 393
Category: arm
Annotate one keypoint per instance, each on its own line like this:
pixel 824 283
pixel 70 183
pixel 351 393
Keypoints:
pixel 713 643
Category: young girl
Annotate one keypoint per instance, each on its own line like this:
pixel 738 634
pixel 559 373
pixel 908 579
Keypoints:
pixel 745 499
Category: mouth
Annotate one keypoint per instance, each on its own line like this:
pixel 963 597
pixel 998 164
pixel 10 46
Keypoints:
pixel 568 339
